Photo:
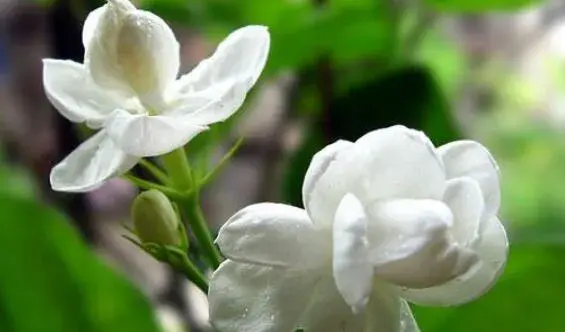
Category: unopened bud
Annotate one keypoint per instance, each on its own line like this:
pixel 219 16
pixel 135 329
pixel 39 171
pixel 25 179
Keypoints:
pixel 155 219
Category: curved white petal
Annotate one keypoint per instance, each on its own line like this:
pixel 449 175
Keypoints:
pixel 464 198
pixel 273 234
pixel 386 311
pixel 401 163
pixel 143 135
pixel 352 271
pixel 91 24
pixel 318 166
pixel 224 79
pixel 469 158
pixel 253 298
pixel 90 164
pixel 72 92
pixel 492 248
pixel 411 244
pixel 326 311
pixel 101 33
pixel 407 321
pixel 209 106
pixel 148 55
pixel 394 162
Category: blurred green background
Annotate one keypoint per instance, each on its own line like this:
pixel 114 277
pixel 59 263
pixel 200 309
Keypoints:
pixel 490 70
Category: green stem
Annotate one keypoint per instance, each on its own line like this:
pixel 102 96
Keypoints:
pixel 201 231
pixel 177 166
pixel 210 176
pixel 155 171
pixel 179 170
pixel 144 184
pixel 193 274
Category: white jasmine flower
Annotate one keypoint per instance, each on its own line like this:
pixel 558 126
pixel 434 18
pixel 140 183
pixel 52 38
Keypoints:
pixel 128 89
pixel 388 218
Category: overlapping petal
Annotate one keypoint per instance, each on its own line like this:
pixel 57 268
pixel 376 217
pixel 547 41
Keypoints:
pixel 471 159
pixel 224 79
pixel 492 248
pixel 147 54
pixel 254 298
pixel 91 24
pixel 90 164
pixel 321 161
pixel 73 93
pixel 273 234
pixel 464 198
pixel 386 311
pixel 131 51
pixel 394 162
pixel 352 270
pixel 411 244
pixel 144 135
pixel 100 32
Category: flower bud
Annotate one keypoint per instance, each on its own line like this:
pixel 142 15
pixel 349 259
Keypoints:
pixel 155 220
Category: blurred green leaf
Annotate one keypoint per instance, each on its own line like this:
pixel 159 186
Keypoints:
pixel 526 298
pixel 50 280
pixel 481 5
pixel 15 180
pixel 300 31
pixel 408 96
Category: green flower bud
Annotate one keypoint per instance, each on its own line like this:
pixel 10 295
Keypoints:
pixel 155 219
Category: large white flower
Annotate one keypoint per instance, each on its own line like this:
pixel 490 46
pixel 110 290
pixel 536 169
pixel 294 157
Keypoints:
pixel 388 218
pixel 128 88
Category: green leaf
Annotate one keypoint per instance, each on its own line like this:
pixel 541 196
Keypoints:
pixel 528 297
pixel 408 96
pixel 51 281
pixel 481 5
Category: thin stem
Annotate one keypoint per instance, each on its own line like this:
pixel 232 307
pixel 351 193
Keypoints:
pixel 179 170
pixel 177 166
pixel 155 171
pixel 201 231
pixel 147 185
pixel 193 274
pixel 213 173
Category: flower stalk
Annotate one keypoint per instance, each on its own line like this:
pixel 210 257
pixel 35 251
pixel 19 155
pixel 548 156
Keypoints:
pixel 176 164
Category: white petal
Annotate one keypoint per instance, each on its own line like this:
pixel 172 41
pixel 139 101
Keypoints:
pixel 147 54
pixel 464 198
pixel 225 78
pixel 401 163
pixel 273 234
pixel 469 158
pixel 143 135
pixel 318 166
pixel 383 312
pixel 352 272
pixel 411 244
pixel 407 321
pixel 326 310
pixel 209 106
pixel 253 298
pixel 394 162
pixel 73 93
pixel 88 166
pixel 492 249
pixel 91 24
pixel 100 57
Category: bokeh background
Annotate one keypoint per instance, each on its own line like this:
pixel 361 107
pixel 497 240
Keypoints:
pixel 490 70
